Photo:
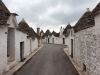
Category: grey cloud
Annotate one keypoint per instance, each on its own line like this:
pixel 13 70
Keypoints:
pixel 64 18
pixel 31 11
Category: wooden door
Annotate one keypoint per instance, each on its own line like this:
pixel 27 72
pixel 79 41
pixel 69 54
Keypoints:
pixel 21 51
pixel 72 48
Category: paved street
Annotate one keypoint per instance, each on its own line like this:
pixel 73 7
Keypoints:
pixel 50 60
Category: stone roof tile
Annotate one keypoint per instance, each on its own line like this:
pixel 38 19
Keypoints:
pixel 55 34
pixel 66 29
pixel 86 21
pixel 96 10
pixel 24 27
pixel 47 33
pixel 4 13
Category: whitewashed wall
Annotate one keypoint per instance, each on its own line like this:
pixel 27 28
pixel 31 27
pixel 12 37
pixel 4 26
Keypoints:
pixel 68 41
pixel 34 44
pixel 18 37
pixel 12 38
pixel 46 39
pixel 52 39
pixel 27 50
pixel 85 49
pixel 59 40
pixel 43 40
pixel 55 40
pixel 3 49
pixel 97 44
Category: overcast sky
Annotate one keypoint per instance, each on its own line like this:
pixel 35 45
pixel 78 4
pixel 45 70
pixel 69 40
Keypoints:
pixel 49 14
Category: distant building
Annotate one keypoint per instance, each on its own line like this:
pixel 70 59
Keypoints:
pixel 63 37
pixel 83 40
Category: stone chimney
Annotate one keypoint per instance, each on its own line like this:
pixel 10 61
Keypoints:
pixel 23 20
pixel 38 31
pixel 88 10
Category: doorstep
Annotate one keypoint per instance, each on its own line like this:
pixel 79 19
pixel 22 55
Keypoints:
pixel 78 68
pixel 20 64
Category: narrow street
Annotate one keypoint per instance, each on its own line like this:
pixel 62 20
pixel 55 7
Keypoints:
pixel 50 60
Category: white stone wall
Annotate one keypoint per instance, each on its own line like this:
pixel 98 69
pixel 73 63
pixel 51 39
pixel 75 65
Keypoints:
pixel 86 50
pixel 18 37
pixel 68 40
pixel 46 39
pixel 27 50
pixel 34 44
pixel 3 49
pixel 97 42
pixel 55 39
pixel 11 44
pixel 68 43
pixel 29 44
pixel 59 40
pixel 43 40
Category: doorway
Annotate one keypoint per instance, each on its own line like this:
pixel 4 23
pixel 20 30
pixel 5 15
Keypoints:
pixel 52 40
pixel 21 51
pixel 30 46
pixel 63 40
pixel 48 40
pixel 72 48
pixel 11 45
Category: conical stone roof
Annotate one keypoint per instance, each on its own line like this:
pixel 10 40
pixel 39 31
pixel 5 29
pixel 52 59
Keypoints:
pixel 4 14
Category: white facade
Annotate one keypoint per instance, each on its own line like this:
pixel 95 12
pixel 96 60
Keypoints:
pixel 11 41
pixel 53 39
pixel 3 49
pixel 62 39
pixel 69 41
pixel 47 39
pixel 87 48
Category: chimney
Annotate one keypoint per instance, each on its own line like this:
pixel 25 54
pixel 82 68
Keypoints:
pixel 88 10
pixel 38 31
pixel 23 20
pixel 61 31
